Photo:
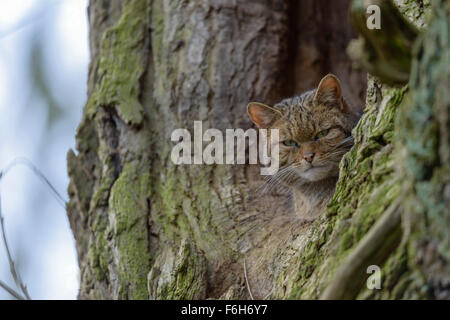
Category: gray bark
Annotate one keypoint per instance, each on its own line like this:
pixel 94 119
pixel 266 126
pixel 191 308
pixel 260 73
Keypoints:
pixel 146 228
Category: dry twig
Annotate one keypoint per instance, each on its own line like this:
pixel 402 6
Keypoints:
pixel 246 281
pixel 16 276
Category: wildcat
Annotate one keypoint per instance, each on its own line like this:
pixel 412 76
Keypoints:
pixel 314 133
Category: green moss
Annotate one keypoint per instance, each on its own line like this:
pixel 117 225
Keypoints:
pixel 168 207
pixel 190 270
pixel 108 205
pixel 128 221
pixel 366 187
pixel 417 11
pixel 122 65
pixel 425 153
pixel 411 171
pixel 185 206
pixel 179 276
pixel 99 257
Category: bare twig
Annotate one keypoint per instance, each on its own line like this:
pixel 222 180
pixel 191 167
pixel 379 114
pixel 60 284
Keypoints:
pixel 27 163
pixel 267 295
pixel 248 284
pixel 11 291
pixel 246 281
pixel 12 267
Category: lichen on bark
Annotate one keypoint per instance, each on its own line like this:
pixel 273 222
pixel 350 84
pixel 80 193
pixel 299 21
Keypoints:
pixel 373 184
pixel 146 228
pixel 353 210
pixel 115 207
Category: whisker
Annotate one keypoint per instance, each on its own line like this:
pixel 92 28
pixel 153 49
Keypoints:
pixel 349 139
pixel 288 174
pixel 273 180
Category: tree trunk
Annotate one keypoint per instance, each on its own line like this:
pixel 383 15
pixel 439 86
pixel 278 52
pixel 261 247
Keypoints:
pixel 147 228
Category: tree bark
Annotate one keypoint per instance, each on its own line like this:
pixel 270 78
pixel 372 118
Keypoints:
pixel 147 228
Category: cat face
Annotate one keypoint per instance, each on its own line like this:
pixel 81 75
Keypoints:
pixel 314 131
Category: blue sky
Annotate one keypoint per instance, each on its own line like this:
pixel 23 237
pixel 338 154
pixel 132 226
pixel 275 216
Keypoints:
pixel 50 36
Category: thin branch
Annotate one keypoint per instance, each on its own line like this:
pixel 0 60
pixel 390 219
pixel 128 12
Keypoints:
pixel 61 201
pixel 267 295
pixel 27 163
pixel 11 291
pixel 246 281
pixel 12 266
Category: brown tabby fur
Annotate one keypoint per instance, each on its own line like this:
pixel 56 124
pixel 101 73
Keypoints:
pixel 300 119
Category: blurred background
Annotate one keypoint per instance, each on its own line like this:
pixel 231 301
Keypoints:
pixel 43 74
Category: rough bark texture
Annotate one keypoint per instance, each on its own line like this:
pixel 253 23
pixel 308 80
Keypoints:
pixel 146 228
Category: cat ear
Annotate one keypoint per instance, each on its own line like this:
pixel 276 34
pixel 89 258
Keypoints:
pixel 262 115
pixel 329 91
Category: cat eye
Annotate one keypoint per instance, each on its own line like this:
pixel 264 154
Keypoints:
pixel 321 134
pixel 290 143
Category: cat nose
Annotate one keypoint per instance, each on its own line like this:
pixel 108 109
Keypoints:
pixel 308 156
